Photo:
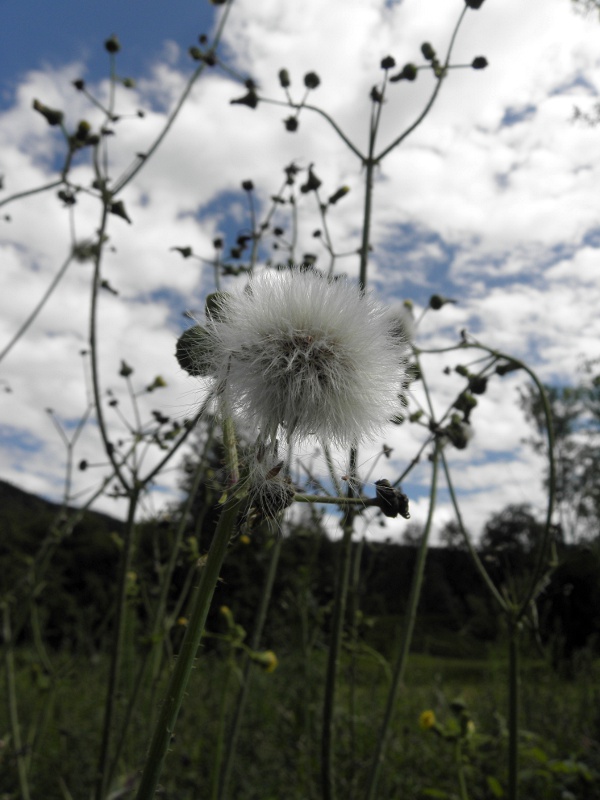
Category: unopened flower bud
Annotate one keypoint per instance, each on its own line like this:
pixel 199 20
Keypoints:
pixel 247 186
pixel 508 366
pixel 312 182
pixel 83 130
pixel 311 80
pixel 479 63
pixel 341 192
pixel 474 3
pixel 284 79
pixel 112 45
pixel 428 51
pixel 436 301
pixel 408 73
pixel 478 384
pixel 388 63
pixel 125 370
pixel 250 99
pixel 194 351
pixel 291 124
pixel 118 209
pixel 214 306
pixel 52 116
pixel 79 84
pixel 186 252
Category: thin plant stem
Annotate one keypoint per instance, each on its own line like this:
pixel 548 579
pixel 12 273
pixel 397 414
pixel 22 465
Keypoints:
pixel 434 95
pixel 183 666
pixel 42 302
pixel 128 176
pixel 327 766
pixel 409 624
pixel 28 192
pixel 337 627
pixel 13 712
pixel 473 553
pixel 240 703
pixel 159 622
pixel 117 652
pixel 460 772
pixel 513 710
pixel 218 757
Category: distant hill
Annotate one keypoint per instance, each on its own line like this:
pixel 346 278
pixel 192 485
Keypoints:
pixel 17 502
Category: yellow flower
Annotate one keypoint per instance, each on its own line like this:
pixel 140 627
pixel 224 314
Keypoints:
pixel 244 539
pixel 427 720
pixel 182 621
pixel 267 659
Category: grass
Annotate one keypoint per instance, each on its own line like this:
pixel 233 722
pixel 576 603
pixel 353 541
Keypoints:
pixel 279 747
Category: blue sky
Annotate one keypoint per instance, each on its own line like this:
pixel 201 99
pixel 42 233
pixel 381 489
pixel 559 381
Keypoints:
pixel 492 202
pixel 39 33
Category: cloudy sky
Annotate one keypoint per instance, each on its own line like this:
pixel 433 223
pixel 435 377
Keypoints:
pixel 492 201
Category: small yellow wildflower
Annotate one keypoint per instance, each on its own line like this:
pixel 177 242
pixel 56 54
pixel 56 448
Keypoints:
pixel 272 661
pixel 244 539
pixel 182 621
pixel 427 720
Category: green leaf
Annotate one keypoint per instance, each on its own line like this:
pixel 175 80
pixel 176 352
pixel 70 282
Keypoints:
pixel 494 786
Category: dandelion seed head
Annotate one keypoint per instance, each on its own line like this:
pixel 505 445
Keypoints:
pixel 312 355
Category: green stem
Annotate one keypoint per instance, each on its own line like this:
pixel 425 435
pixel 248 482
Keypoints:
pixel 513 711
pixel 183 666
pixel 218 759
pixel 409 624
pixel 11 691
pixel 240 703
pixel 462 783
pixel 117 653
pixel 339 610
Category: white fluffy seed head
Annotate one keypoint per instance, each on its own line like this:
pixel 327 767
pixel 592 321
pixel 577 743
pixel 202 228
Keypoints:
pixel 310 354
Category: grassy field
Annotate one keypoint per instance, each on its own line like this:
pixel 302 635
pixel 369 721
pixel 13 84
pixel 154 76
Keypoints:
pixel 278 752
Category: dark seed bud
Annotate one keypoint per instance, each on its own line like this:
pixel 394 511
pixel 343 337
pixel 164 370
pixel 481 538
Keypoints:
pixel 508 366
pixel 478 384
pixel 409 72
pixel 79 84
pixel 194 351
pixel 83 129
pixel 112 45
pixel 291 124
pixel 215 306
pixel 312 182
pixel 125 370
pixel 479 63
pixel 247 186
pixel 474 3
pixel 341 192
pixel 428 51
pixel 118 209
pixel 436 301
pixel 388 63
pixel 186 252
pixel 311 80
pixel 284 79
pixel 52 116
pixel 250 100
